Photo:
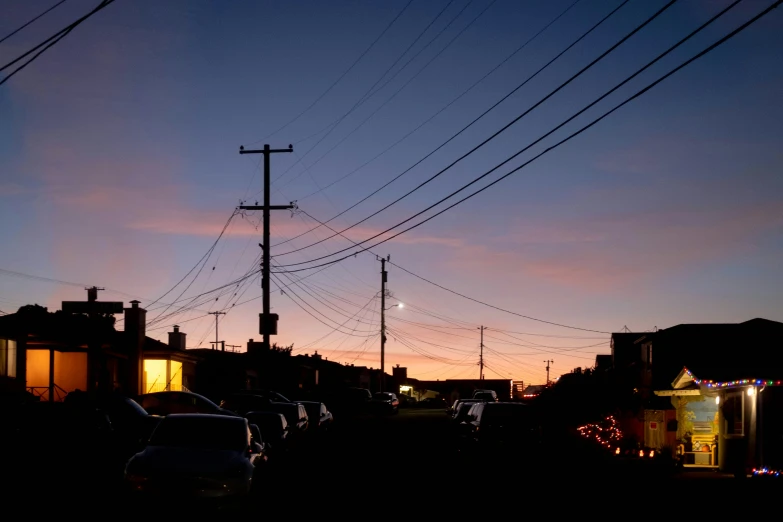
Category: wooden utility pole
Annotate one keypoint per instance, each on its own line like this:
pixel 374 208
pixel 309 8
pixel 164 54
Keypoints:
pixel 268 322
pixel 548 362
pixel 481 356
pixel 383 323
pixel 216 314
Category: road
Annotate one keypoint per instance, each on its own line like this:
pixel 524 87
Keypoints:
pixel 393 464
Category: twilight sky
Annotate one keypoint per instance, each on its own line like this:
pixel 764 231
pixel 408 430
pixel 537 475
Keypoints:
pixel 119 167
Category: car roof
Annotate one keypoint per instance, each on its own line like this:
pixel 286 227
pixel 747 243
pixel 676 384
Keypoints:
pixel 212 418
pixel 275 414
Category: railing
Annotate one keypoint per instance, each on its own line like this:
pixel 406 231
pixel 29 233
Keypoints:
pixel 162 386
pixel 42 392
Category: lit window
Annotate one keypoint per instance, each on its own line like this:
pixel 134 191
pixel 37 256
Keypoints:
pixel 7 358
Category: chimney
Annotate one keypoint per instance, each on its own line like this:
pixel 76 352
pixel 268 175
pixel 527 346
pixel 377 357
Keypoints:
pixel 254 347
pixel 135 335
pixel 177 339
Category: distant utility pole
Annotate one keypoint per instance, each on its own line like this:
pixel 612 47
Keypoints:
pixel 216 314
pixel 233 346
pixel 268 323
pixel 547 371
pixel 481 356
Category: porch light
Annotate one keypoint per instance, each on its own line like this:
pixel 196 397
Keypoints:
pixel 751 391
pixel 717 399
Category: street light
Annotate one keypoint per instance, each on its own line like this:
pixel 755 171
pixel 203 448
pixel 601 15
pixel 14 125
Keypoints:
pixel 383 340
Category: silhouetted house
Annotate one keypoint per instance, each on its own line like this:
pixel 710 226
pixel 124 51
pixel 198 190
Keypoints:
pixel 603 362
pixel 724 380
pixel 169 367
pixel 218 373
pixel 50 354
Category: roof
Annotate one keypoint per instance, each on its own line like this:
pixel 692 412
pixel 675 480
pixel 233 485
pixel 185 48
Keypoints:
pixel 729 352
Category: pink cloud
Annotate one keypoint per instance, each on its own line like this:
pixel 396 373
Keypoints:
pixel 610 251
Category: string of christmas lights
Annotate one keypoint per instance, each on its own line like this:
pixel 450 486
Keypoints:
pixel 729 384
pixel 766 472
pixel 605 433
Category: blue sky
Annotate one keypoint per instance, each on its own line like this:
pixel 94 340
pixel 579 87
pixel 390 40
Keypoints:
pixel 119 166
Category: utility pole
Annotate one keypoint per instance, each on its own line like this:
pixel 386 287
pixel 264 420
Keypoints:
pixel 217 314
pixel 547 371
pixel 233 346
pixel 383 321
pixel 268 323
pixel 481 357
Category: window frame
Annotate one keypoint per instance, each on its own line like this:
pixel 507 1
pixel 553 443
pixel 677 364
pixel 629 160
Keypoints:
pixel 9 351
pixel 740 396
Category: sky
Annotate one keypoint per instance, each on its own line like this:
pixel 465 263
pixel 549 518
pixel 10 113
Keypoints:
pixel 120 168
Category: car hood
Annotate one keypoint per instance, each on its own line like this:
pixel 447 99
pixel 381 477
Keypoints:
pixel 174 461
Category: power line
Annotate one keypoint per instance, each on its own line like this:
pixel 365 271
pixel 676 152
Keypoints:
pixel 402 87
pixel 547 150
pixel 338 80
pixel 433 116
pixel 203 259
pixel 368 94
pixel 470 298
pixel 49 42
pixel 6 37
pixel 291 292
pixel 497 133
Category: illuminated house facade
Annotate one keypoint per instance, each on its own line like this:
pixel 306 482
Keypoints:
pixel 50 354
pixel 168 367
pixel 724 382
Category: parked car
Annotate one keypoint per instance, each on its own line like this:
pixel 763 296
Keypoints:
pixel 433 402
pixel 68 444
pixel 168 402
pixel 296 416
pixel 452 411
pixel 131 424
pixel 461 411
pixel 505 429
pixel 406 401
pixel 349 402
pixel 269 394
pixel 274 430
pixel 486 395
pixel 198 454
pixel 386 402
pixel 242 403
pixel 318 415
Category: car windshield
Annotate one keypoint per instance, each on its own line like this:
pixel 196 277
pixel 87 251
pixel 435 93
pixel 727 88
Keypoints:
pixel 134 406
pixel 266 423
pixel 507 415
pixel 208 432
pixel 289 410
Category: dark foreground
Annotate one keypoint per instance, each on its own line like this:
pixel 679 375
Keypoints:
pixel 405 466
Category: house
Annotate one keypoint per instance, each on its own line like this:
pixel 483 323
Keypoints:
pixel 725 387
pixel 169 367
pixel 49 354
